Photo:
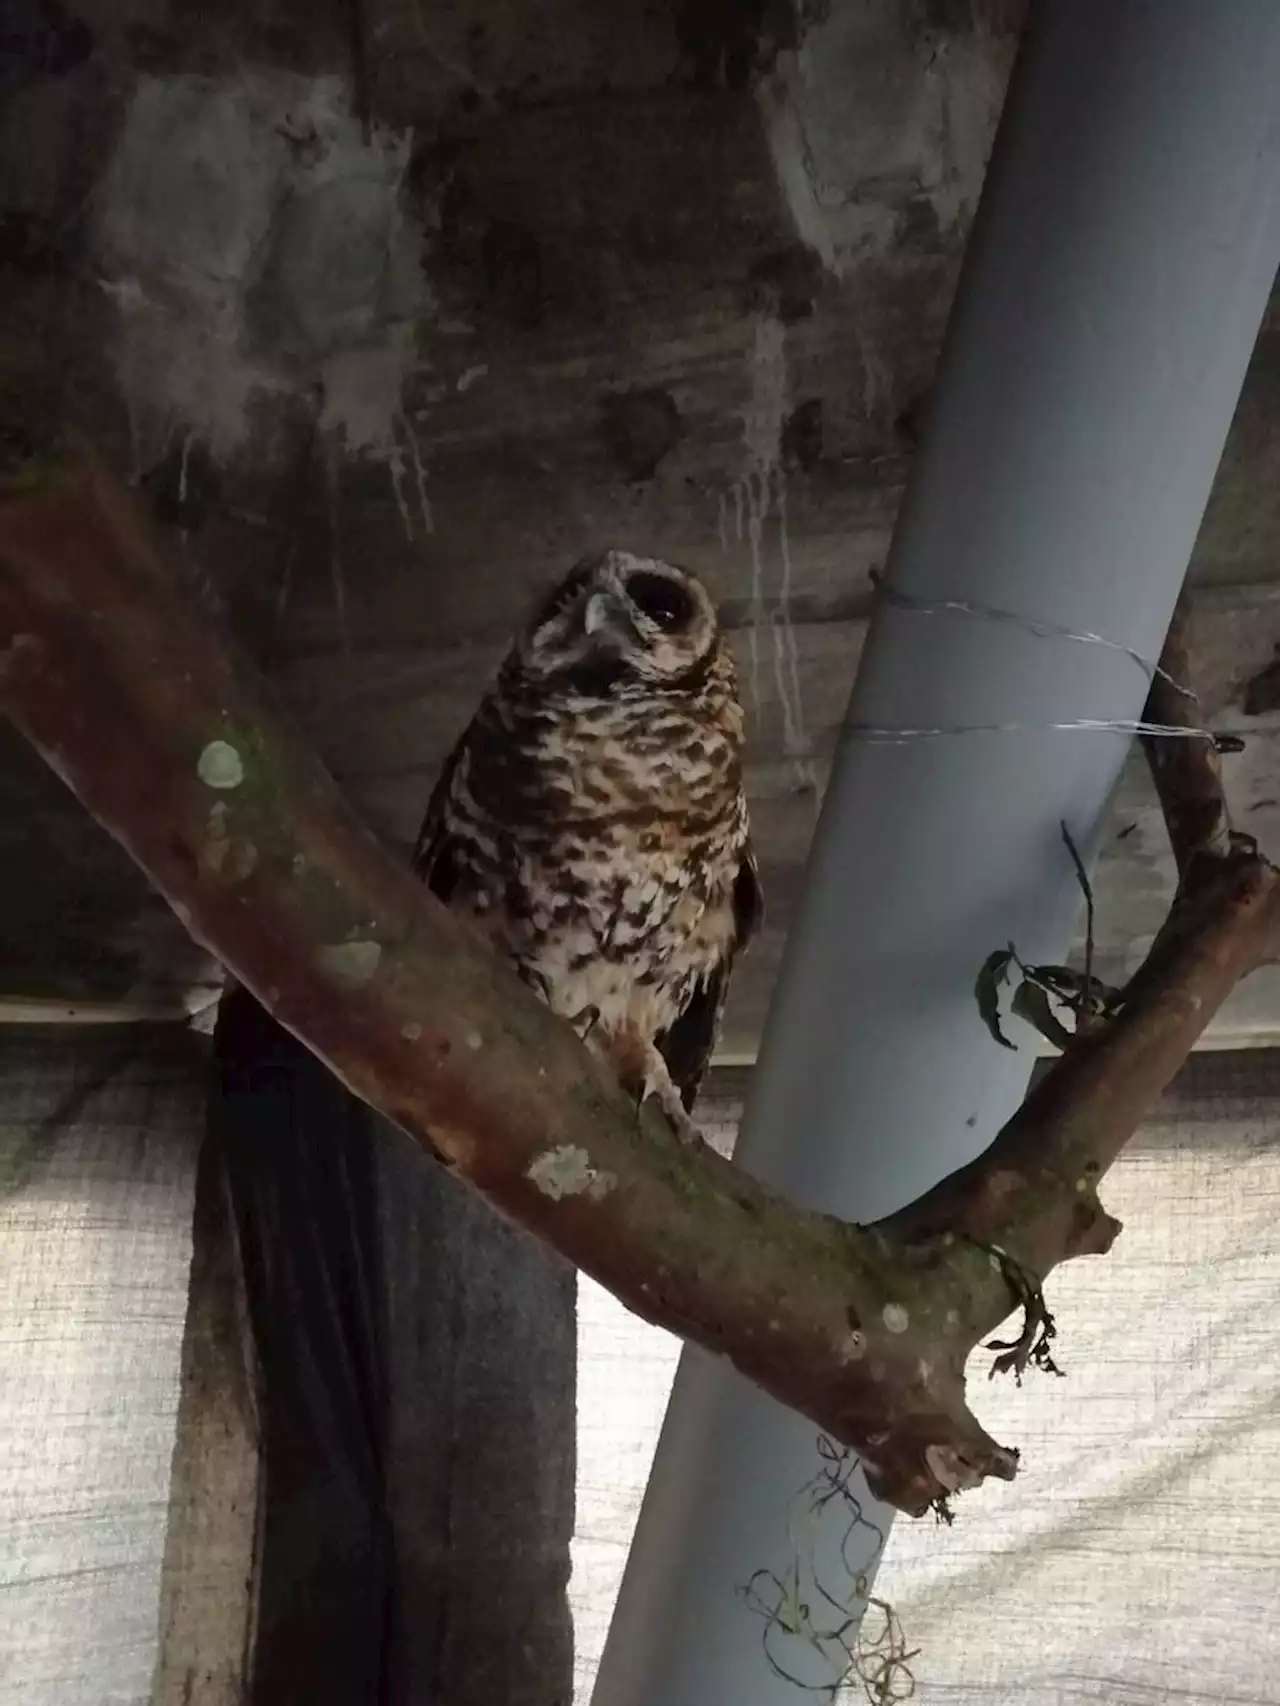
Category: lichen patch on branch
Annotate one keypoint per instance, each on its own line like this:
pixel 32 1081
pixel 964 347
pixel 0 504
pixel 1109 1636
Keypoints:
pixel 351 964
pixel 566 1171
pixel 220 765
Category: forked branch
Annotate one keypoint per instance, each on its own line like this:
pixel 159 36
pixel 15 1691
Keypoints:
pixel 169 739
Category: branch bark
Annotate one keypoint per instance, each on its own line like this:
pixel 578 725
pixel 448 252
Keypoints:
pixel 1186 773
pixel 147 712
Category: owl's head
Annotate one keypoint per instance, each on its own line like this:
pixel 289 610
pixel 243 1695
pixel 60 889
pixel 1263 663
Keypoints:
pixel 616 620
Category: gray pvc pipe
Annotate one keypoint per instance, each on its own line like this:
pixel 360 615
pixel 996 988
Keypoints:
pixel 1127 242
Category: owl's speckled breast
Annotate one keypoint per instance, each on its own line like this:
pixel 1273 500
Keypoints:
pixel 603 837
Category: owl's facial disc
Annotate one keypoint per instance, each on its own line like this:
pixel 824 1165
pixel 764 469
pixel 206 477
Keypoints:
pixel 621 618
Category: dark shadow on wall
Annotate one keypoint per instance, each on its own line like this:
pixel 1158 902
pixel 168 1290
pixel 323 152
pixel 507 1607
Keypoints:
pixel 416 1377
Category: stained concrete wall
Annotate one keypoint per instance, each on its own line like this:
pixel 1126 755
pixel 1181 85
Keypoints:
pixel 389 311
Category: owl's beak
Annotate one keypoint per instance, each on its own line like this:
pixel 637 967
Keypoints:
pixel 606 613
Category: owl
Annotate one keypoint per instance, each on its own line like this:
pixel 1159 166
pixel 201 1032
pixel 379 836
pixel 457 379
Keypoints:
pixel 591 820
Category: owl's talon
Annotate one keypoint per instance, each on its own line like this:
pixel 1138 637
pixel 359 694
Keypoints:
pixel 658 1085
pixel 687 1133
pixel 585 1021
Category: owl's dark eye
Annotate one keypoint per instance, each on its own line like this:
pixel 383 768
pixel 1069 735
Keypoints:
pixel 663 601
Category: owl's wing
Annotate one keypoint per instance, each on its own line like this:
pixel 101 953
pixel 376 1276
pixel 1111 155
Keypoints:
pixel 687 1045
pixel 434 853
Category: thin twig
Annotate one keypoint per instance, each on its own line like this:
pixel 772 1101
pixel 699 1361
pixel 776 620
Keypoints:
pixel 1082 876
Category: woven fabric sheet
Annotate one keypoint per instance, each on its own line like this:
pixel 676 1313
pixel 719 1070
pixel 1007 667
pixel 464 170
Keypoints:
pixel 98 1138
pixel 1137 1557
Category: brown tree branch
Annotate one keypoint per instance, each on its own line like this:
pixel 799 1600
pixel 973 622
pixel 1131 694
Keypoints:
pixel 112 671
pixel 1186 773
pixel 1224 923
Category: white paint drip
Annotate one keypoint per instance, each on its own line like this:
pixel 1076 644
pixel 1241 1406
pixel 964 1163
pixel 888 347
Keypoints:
pixel 786 654
pixel 877 378
pixel 183 465
pixel 766 410
pixel 126 293
pixel 761 492
pixel 396 471
pixel 762 434
pixel 419 476
pixel 135 437
pixel 18 652
pixel 753 491
pixel 336 575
